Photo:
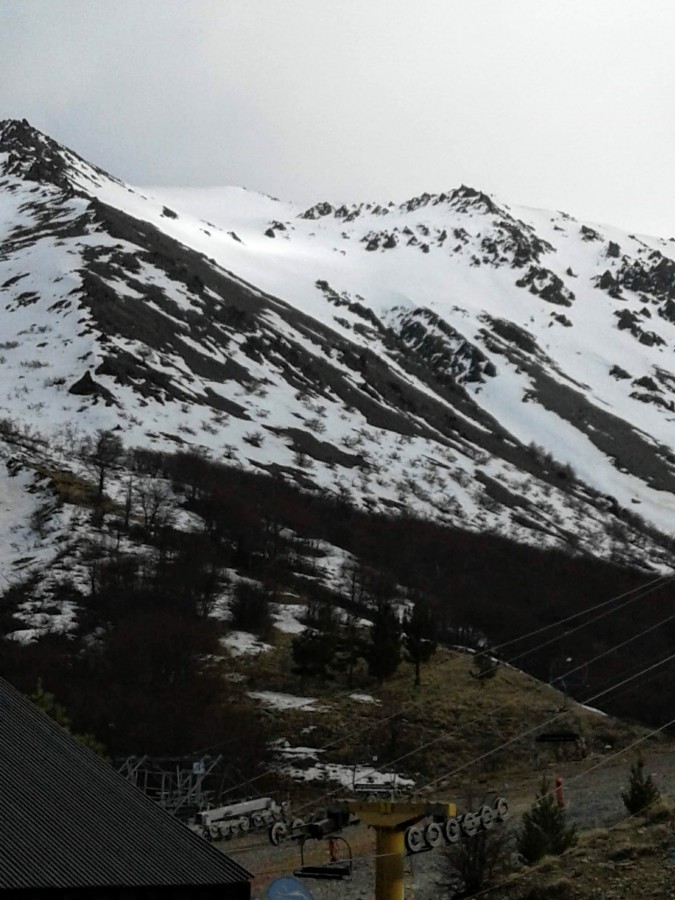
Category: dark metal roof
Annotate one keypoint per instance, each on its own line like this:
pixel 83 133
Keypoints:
pixel 67 819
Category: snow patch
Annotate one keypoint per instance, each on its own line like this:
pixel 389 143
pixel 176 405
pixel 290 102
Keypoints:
pixel 287 701
pixel 241 643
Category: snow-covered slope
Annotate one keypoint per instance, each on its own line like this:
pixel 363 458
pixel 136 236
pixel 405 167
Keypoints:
pixel 488 366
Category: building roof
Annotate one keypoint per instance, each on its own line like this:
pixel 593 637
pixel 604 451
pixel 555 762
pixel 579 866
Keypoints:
pixel 67 819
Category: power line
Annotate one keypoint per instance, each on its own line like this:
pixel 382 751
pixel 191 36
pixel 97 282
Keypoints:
pixel 640 592
pixel 554 718
pixel 496 709
pixel 574 778
pixel 616 647
pixel 365 857
pixel 660 581
pixel 518 737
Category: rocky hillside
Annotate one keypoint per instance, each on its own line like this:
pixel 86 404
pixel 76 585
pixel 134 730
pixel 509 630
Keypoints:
pixel 491 368
pixel 235 433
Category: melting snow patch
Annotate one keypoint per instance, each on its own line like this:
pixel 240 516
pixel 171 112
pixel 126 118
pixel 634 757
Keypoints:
pixel 25 635
pixel 240 643
pixel 283 747
pixel 287 617
pixel 286 701
pixel 364 698
pixel 592 709
pixel 352 777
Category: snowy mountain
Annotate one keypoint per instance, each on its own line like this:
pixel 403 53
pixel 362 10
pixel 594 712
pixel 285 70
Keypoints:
pixel 490 367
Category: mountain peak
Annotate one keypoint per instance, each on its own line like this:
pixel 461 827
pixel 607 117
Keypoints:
pixel 19 130
pixel 367 341
pixel 465 197
pixel 33 156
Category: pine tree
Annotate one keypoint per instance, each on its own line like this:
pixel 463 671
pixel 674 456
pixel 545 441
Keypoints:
pixel 384 650
pixel 350 647
pixel 315 650
pixel 419 626
pixel 544 829
pixel 46 702
pixel 642 792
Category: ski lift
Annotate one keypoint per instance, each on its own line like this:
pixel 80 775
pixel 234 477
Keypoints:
pixel 322 824
pixel 335 870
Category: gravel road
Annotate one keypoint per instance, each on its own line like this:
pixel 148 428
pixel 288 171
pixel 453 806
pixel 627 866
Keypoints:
pixel 593 798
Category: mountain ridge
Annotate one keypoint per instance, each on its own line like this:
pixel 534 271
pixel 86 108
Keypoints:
pixel 440 355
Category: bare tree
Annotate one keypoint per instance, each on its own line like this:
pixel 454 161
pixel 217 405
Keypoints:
pixel 104 452
pixel 419 629
pixel 155 500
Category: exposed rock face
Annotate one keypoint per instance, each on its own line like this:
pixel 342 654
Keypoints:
pixel 445 350
pixel 87 387
pixel 36 157
pixel 547 285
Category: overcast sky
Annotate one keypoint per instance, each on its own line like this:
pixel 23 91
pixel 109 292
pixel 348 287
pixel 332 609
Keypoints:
pixel 563 104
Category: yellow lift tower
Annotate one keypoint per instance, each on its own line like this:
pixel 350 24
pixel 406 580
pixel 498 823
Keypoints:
pixel 398 833
pixel 391 820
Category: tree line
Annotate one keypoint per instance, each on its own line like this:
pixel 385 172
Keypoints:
pixel 136 672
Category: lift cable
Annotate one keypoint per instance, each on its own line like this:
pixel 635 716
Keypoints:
pixel 605 761
pixel 639 592
pixel 516 738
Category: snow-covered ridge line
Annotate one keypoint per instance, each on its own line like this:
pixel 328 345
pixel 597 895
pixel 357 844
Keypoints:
pixel 488 366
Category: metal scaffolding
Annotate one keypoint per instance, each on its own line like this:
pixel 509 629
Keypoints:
pixel 177 784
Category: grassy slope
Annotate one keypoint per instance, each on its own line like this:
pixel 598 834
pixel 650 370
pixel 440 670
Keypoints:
pixel 438 728
pixel 632 859
pixel 465 719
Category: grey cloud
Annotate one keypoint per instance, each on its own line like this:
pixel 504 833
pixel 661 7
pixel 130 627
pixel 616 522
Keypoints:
pixel 555 105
